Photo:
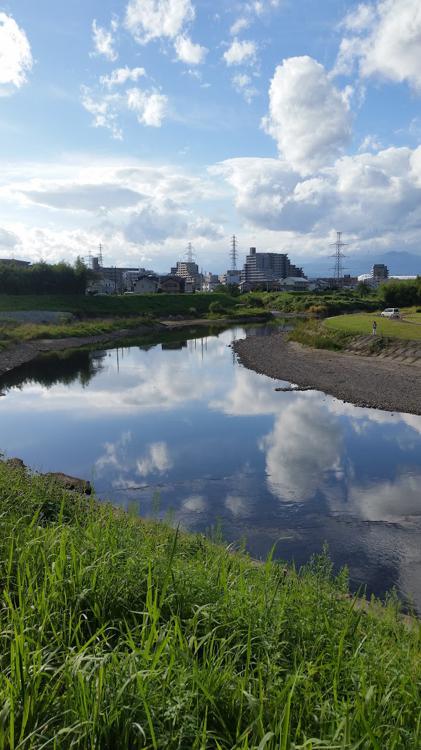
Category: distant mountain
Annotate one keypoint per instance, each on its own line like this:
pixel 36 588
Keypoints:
pixel 399 264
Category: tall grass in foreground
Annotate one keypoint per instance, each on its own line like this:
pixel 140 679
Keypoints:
pixel 122 634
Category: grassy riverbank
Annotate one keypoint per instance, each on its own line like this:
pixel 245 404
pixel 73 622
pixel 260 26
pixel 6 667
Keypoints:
pixel 117 633
pixel 406 328
pixel 336 333
pixel 154 305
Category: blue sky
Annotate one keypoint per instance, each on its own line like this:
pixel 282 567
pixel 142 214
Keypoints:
pixel 146 124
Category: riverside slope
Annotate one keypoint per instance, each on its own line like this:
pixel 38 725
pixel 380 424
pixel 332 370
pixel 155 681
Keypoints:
pixel 363 381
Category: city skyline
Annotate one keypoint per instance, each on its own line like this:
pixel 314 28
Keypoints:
pixel 144 125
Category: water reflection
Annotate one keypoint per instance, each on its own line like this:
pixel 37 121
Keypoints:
pixel 176 426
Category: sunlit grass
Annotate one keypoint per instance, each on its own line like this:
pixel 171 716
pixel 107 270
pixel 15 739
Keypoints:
pixel 362 323
pixel 120 634
pixel 16 332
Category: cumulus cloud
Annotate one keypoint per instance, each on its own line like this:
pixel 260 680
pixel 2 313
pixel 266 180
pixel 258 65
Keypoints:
pixel 303 448
pixel 241 52
pixel 194 504
pixel 104 40
pixel 189 52
pixel 309 117
pixel 374 197
pixel 15 55
pixel 156 459
pixel 121 76
pixel 384 39
pixel 150 107
pixel 154 19
pixel 388 501
pixel 155 223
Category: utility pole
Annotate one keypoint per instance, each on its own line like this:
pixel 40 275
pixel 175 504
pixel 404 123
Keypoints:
pixel 338 255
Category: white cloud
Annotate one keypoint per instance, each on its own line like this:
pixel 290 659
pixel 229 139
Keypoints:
pixel 304 447
pixel 239 25
pixel 15 55
pixel 157 459
pixel 241 52
pixel 390 500
pixel 308 117
pixel 104 40
pixel 385 40
pixel 360 18
pixel 150 107
pixel 189 52
pixel 243 84
pixel 121 76
pixel 104 109
pixel 153 19
pixel 373 197
pixel 80 197
pixel 194 504
pixel 8 240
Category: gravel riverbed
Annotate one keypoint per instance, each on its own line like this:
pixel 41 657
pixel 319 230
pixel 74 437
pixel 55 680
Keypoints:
pixel 363 381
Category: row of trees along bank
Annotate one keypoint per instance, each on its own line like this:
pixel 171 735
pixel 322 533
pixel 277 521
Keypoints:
pixel 44 278
pixel 401 293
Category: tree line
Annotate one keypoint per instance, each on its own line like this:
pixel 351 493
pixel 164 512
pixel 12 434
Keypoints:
pixel 401 293
pixel 44 278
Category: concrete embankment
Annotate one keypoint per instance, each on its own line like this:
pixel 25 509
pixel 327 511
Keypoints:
pixel 374 382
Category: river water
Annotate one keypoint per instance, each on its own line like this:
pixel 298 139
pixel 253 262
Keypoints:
pixel 181 430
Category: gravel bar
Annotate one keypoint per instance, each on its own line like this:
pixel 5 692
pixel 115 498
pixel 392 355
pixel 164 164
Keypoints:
pixel 363 381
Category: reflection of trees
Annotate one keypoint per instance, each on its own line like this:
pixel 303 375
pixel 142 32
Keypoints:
pixel 50 369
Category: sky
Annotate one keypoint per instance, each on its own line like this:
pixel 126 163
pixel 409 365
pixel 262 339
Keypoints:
pixel 144 125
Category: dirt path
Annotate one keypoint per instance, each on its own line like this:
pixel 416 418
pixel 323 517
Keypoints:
pixel 363 381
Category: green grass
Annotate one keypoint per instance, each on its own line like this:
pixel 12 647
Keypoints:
pixel 121 634
pixel 156 305
pixel 19 332
pixel 316 334
pixel 362 324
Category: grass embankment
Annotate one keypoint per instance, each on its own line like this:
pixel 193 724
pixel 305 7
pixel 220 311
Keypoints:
pixel 117 633
pixel 155 305
pixel 362 324
pixel 316 334
pixel 14 333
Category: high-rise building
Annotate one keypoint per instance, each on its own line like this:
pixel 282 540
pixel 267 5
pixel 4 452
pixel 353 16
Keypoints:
pixel 265 268
pixel 380 272
pixel 188 270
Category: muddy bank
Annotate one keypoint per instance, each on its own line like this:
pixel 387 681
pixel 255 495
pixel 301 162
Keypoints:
pixel 363 381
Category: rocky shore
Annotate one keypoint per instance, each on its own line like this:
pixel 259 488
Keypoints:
pixel 363 381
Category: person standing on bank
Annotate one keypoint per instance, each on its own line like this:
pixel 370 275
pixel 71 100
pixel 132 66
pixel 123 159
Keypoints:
pixel 374 327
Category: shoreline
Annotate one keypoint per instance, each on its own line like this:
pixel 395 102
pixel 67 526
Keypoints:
pixel 20 354
pixel 360 380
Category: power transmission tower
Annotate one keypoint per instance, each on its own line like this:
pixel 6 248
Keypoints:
pixel 100 258
pixel 234 252
pixel 338 255
pixel 190 253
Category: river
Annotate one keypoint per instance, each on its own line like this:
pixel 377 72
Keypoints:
pixel 180 430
